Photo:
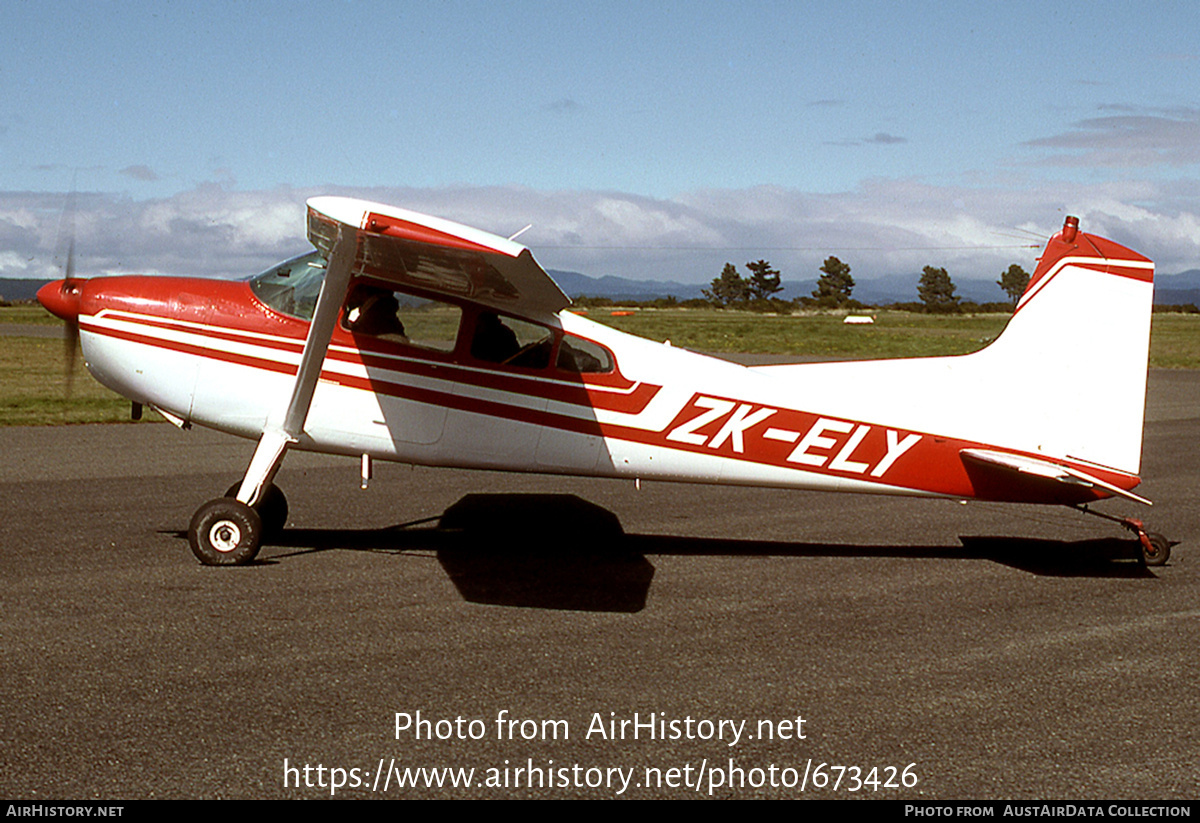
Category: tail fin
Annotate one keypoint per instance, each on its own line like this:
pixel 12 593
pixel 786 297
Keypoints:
pixel 1077 348
pixel 1065 381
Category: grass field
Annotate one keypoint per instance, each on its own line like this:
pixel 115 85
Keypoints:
pixel 1174 338
pixel 1175 341
pixel 27 314
pixel 894 334
pixel 33 384
pixel 33 374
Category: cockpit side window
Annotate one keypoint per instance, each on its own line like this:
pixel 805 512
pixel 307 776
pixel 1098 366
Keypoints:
pixel 402 318
pixel 292 287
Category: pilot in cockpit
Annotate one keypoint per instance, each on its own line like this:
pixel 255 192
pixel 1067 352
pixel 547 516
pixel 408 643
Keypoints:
pixel 372 310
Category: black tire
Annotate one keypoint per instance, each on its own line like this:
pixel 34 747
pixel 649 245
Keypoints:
pixel 1160 551
pixel 224 532
pixel 272 509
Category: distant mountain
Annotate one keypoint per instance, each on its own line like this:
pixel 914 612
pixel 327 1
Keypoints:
pixel 1177 289
pixel 902 288
pixel 14 290
pixel 1169 289
pixel 620 288
pixel 1176 297
pixel 1189 279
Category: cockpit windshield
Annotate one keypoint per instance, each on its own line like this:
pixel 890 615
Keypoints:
pixel 291 287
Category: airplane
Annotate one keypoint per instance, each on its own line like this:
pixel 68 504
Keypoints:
pixel 410 338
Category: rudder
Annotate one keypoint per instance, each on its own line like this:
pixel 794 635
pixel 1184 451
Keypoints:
pixel 1077 349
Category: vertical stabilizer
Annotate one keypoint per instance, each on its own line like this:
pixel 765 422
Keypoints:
pixel 1065 381
pixel 1077 348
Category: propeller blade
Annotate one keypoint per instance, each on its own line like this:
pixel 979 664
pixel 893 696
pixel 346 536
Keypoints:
pixel 71 353
pixel 71 340
pixel 69 275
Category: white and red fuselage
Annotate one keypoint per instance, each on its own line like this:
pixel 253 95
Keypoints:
pixel 1049 412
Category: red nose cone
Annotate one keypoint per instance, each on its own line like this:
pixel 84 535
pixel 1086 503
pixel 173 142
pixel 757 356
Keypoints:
pixel 61 298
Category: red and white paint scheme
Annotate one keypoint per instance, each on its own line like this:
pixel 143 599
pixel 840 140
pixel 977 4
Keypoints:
pixel 409 338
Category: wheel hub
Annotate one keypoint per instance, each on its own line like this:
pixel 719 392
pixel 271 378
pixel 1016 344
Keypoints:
pixel 224 536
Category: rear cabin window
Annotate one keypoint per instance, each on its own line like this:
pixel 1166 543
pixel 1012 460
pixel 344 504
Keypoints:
pixel 511 342
pixel 575 354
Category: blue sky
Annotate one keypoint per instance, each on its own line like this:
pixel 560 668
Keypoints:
pixel 651 140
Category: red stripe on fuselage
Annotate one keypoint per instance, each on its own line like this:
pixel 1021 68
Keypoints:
pixel 295 346
pixel 612 392
pixel 853 450
pixel 189 348
pixel 631 401
pixel 833 447
pixel 632 398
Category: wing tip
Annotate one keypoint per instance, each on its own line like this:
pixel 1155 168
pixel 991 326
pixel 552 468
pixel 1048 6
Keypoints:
pixel 393 220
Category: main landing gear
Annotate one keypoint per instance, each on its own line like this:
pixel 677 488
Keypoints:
pixel 272 509
pixel 1155 548
pixel 227 532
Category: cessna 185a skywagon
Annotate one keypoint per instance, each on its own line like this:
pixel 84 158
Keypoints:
pixel 338 351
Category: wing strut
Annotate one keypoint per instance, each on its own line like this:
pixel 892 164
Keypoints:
pixel 277 436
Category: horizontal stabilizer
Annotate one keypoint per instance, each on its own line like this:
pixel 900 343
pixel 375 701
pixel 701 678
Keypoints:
pixel 1022 476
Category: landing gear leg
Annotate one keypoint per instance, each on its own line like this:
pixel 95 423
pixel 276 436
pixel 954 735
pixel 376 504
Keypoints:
pixel 272 508
pixel 1155 548
pixel 228 531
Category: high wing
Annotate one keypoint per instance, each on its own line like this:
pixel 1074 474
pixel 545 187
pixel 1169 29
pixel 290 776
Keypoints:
pixel 404 248
pixel 415 250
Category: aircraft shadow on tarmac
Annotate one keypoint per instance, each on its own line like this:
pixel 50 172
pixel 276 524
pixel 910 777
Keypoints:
pixel 558 551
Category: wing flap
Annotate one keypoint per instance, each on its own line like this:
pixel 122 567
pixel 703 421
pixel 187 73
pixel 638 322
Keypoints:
pixel 1031 479
pixel 410 249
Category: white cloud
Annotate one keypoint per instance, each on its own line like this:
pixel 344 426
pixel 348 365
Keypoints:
pixel 883 227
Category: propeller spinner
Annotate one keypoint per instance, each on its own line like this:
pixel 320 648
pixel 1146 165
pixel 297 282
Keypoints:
pixel 61 298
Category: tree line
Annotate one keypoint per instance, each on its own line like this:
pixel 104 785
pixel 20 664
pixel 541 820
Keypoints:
pixel 835 289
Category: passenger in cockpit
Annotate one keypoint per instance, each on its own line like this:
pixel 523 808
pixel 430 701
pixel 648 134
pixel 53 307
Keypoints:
pixel 493 341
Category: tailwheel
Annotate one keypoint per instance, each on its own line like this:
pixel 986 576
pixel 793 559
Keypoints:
pixel 1156 549
pixel 224 532
pixel 272 508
